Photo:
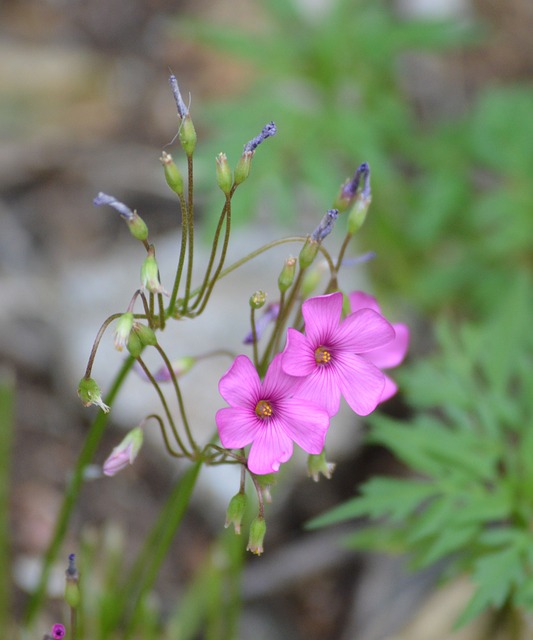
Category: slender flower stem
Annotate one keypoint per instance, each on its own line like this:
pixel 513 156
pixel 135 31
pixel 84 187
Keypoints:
pixel 190 221
pixel 259 495
pixel 96 343
pixel 254 337
pixel 214 248
pixel 181 259
pixel 159 420
pixel 162 318
pixel 165 407
pixel 177 389
pixel 222 259
pixel 71 494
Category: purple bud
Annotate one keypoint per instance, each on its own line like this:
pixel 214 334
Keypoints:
pixel 269 315
pixel 326 225
pixel 366 193
pixel 268 131
pixel 350 188
pixel 182 109
pixel 104 198
pixel 365 257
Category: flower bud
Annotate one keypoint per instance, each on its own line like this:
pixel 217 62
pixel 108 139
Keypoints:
pixel 72 591
pixel 135 346
pixel 235 511
pixel 308 252
pixel 150 273
pixel 362 201
pixel 242 170
pixel 141 336
pixel 136 224
pixel 123 330
pixel 172 173
pixel 58 632
pixel 137 227
pixel 258 299
pixel 286 277
pixel 317 464
pixel 224 177
pixel 187 135
pixel 89 393
pixel 257 535
pixel 125 453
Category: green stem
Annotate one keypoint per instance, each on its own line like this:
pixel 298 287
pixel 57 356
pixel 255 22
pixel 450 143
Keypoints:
pixel 166 408
pixel 161 424
pixel 145 570
pixel 181 404
pixel 73 489
pixel 190 207
pixel 96 343
pixel 254 337
pixel 181 259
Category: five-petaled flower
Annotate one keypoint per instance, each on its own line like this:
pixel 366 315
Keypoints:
pixel 391 354
pixel 268 415
pixel 331 358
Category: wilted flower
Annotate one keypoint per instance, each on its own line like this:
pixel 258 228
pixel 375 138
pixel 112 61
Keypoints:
pixel 125 453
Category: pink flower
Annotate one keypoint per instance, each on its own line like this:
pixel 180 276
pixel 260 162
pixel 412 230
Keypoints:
pixel 330 358
pixel 267 415
pixel 58 631
pixel 391 354
pixel 125 453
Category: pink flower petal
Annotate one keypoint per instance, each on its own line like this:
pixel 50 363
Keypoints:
pixel 298 358
pixel 361 300
pixel 322 315
pixel 306 423
pixel 389 389
pixel 270 448
pixel 363 331
pixel 360 381
pixel 240 385
pixel 277 383
pixel 237 427
pixel 322 387
pixel 393 353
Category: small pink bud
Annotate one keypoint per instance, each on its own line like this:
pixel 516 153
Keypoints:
pixel 125 453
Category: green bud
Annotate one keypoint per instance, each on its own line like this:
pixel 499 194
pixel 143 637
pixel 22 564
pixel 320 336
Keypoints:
pixel 146 334
pixel 72 577
pixel 257 535
pixel 357 215
pixel 150 273
pixel 308 252
pixel 135 346
pixel 235 511
pixel 242 170
pixel 123 330
pixel 286 277
pixel 172 173
pixel 187 135
pixel 317 464
pixel 89 393
pixel 258 299
pixel 137 227
pixel 224 178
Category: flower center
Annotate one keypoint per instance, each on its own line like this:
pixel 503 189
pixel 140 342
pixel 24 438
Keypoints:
pixel 322 355
pixel 263 409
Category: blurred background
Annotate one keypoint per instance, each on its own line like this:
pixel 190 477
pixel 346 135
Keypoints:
pixel 436 96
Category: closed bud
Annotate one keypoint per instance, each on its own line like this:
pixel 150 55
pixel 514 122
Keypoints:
pixel 187 135
pixel 135 346
pixel 258 299
pixel 123 330
pixel 72 590
pixel 150 273
pixel 317 464
pixel 257 535
pixel 172 173
pixel 125 453
pixel 137 227
pixel 286 277
pixel 308 252
pixel 141 336
pixel 235 511
pixel 242 170
pixel 89 393
pixel 362 201
pixel 224 177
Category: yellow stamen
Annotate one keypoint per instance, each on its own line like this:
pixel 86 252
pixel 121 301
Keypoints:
pixel 263 409
pixel 322 355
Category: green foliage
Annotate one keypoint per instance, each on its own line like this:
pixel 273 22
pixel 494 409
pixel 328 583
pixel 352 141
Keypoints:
pixel 470 449
pixel 450 215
